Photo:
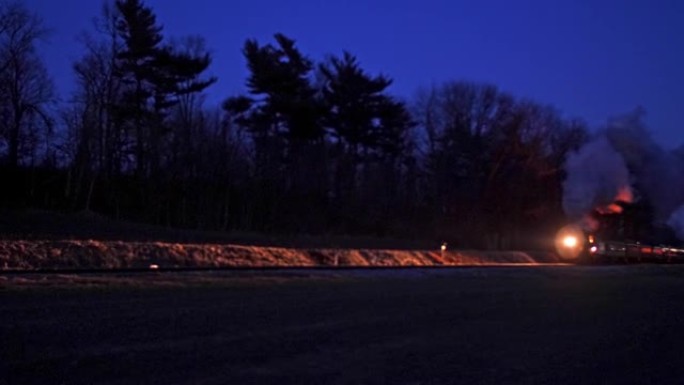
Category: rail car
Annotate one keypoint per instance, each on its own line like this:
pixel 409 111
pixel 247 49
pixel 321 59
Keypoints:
pixel 576 246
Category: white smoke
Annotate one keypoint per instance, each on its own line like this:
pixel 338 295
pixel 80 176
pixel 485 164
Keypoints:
pixel 625 152
pixel 658 173
pixel 595 176
pixel 676 222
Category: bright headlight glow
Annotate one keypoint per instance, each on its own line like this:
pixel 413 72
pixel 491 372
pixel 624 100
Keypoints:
pixel 570 241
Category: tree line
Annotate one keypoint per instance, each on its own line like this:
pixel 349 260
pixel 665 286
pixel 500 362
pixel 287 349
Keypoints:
pixel 311 147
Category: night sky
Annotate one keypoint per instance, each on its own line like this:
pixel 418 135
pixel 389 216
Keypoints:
pixel 589 58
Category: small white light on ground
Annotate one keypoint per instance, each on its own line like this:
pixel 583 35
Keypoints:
pixel 154 267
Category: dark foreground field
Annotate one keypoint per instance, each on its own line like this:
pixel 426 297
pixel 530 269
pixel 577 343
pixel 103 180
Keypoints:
pixel 566 325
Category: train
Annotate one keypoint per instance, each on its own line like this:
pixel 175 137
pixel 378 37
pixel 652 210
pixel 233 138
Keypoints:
pixel 586 248
pixel 618 238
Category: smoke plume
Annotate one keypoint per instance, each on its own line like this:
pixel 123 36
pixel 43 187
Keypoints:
pixel 676 222
pixel 623 156
pixel 597 176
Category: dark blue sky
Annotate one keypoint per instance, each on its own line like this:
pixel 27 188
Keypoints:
pixel 589 58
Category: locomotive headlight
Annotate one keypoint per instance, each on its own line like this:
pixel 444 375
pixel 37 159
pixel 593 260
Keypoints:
pixel 570 241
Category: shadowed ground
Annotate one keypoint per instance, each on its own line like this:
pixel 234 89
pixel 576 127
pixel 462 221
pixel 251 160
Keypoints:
pixel 563 325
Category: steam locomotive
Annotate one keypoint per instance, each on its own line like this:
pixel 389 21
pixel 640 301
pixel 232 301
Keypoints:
pixel 624 237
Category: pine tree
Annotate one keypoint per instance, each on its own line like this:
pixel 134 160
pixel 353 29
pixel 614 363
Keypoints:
pixel 142 38
pixel 362 118
pixel 158 76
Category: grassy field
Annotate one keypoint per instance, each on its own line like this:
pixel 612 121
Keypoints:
pixel 561 325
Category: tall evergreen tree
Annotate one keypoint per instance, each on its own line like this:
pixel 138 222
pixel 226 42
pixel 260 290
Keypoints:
pixel 353 99
pixel 157 76
pixel 142 37
pixel 283 114
pixel 361 117
pixel 280 80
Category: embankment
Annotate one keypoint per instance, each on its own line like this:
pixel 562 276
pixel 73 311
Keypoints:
pixel 90 254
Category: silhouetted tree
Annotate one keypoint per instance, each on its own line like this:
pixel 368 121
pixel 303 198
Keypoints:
pixel 187 116
pixel 493 162
pixel 141 36
pixel 284 116
pixel 176 77
pixel 159 76
pixel 361 118
pixel 136 112
pixel 25 86
pixel 97 140
pixel 311 147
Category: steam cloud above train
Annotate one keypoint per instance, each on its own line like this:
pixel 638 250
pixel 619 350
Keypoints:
pixel 623 164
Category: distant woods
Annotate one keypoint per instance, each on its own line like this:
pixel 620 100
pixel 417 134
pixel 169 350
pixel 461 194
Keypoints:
pixel 311 147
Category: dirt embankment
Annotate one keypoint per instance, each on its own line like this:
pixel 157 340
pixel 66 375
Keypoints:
pixel 33 239
pixel 90 254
